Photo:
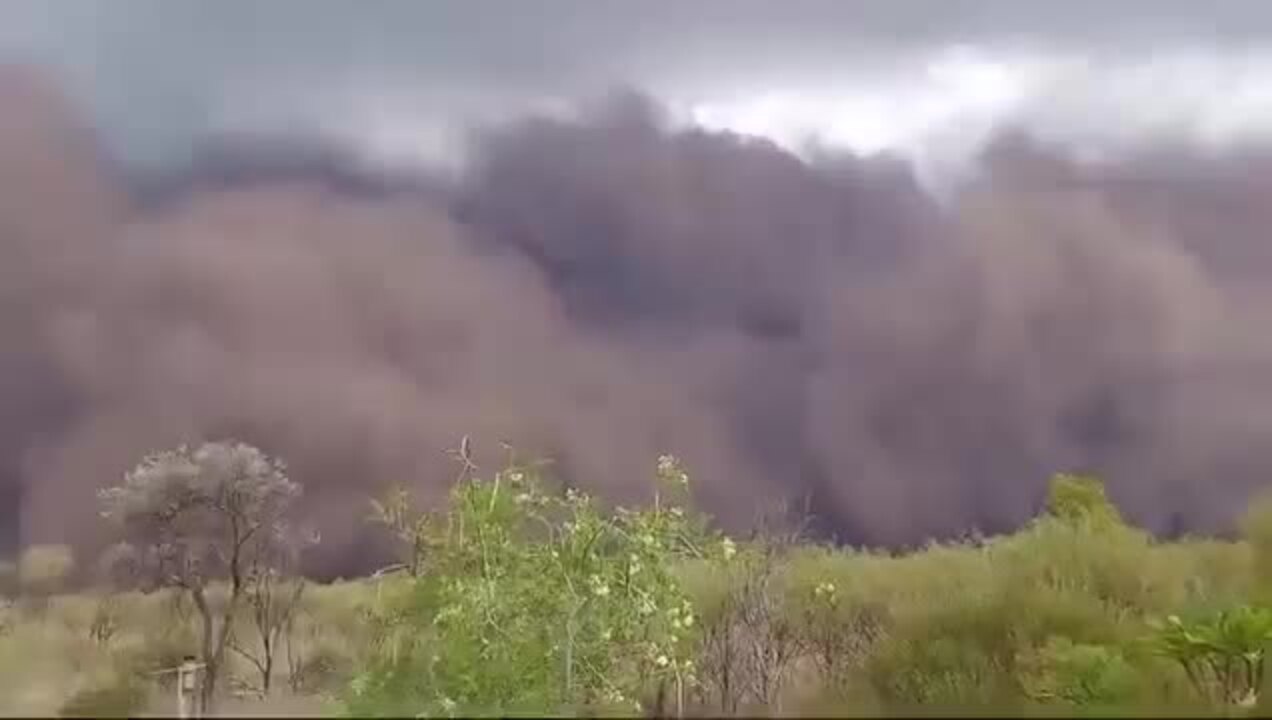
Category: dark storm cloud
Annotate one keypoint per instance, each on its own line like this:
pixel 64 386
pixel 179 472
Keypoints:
pixel 158 74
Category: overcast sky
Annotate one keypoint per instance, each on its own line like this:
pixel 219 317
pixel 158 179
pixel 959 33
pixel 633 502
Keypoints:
pixel 930 77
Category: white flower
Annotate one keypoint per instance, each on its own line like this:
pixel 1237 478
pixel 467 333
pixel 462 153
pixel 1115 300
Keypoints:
pixel 359 684
pixel 728 548
pixel 689 620
pixel 599 588
pixel 666 464
pixel 516 476
pixel 661 661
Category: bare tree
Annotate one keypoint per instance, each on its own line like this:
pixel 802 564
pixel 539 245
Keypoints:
pixel 410 526
pixel 750 642
pixel 767 642
pixel 202 515
pixel 116 570
pixel 295 662
pixel 273 596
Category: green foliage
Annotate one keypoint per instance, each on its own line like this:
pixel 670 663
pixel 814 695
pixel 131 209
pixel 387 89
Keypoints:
pixel 1221 652
pixel 1079 674
pixel 529 602
pixel 1081 498
pixel 958 655
pixel 1049 617
pixel 534 602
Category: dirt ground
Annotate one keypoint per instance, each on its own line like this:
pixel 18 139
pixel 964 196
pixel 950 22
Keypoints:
pixel 281 705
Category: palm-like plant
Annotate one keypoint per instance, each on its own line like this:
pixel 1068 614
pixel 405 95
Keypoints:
pixel 1222 653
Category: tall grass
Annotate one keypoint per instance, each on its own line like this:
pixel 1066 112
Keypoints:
pixel 56 658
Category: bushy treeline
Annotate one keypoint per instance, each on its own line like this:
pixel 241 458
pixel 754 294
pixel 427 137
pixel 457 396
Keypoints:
pixel 1078 612
pixel 516 599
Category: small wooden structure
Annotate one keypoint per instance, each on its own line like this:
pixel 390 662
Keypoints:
pixel 189 676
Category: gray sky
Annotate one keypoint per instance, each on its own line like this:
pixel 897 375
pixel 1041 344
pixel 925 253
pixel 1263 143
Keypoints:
pixel 394 74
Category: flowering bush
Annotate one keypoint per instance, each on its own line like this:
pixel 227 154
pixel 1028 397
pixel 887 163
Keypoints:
pixel 536 602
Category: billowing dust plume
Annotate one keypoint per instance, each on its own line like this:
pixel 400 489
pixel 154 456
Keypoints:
pixel 609 288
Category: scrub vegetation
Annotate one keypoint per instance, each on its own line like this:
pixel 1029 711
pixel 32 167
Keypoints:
pixel 518 597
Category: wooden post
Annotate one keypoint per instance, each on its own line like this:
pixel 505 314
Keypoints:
pixel 188 688
pixel 188 682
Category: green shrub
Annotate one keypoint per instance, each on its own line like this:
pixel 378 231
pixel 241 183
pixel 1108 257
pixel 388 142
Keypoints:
pixel 959 657
pixel 1222 653
pixel 529 602
pixel 1080 498
pixel 1078 674
pixel 839 620
pixel 537 603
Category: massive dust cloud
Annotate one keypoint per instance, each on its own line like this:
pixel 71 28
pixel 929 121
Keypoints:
pixel 610 287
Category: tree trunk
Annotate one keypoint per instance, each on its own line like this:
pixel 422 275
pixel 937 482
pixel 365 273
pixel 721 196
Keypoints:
pixel 660 700
pixel 222 641
pixel 214 641
pixel 270 645
pixel 267 681
pixel 206 652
